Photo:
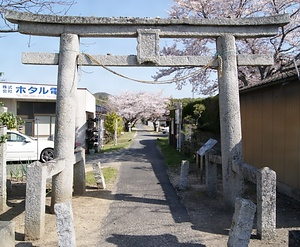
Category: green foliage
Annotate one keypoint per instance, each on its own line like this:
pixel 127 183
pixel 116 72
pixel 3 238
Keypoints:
pixel 171 156
pixel 3 138
pixel 211 116
pixel 109 173
pixel 209 108
pixel 19 173
pixel 10 120
pixel 200 117
pixel 124 141
pixel 198 109
pixel 110 123
pixel 101 98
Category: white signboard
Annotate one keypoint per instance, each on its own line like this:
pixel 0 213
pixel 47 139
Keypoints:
pixel 16 90
pixel 208 145
pixel 177 116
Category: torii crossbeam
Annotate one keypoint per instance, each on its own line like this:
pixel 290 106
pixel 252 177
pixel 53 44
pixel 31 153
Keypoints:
pixel 147 31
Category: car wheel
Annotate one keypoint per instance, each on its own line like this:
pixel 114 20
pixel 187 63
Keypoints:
pixel 47 155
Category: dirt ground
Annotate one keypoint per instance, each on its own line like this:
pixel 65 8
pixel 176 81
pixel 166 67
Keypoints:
pixel 211 217
pixel 208 215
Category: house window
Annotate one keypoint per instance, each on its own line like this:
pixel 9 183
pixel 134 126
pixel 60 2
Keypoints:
pixel 44 125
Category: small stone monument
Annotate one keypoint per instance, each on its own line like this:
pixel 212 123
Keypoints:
pixel 99 176
pixel 65 224
pixel 184 173
pixel 242 223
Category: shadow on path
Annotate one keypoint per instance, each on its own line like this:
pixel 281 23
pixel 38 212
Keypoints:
pixel 148 241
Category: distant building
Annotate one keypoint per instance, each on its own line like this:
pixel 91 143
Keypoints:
pixel 36 105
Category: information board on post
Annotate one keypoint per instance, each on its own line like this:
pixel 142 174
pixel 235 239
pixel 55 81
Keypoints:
pixel 207 146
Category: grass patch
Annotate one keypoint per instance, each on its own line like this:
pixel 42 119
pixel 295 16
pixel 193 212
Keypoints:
pixel 123 141
pixel 171 156
pixel 109 173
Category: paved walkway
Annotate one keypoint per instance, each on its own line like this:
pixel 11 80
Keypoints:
pixel 146 210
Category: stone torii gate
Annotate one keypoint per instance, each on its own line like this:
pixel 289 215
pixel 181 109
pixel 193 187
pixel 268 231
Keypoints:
pixel 147 31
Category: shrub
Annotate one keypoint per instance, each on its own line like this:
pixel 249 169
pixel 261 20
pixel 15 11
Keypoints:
pixel 10 120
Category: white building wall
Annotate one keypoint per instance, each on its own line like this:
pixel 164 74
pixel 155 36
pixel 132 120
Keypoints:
pixel 11 104
pixel 86 104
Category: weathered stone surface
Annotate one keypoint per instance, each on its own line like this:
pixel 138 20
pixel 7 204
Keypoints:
pixel 127 27
pixel 266 203
pixel 35 201
pixel 148 46
pixel 184 175
pixel 242 223
pixel 230 120
pixel 62 184
pixel 99 176
pixel 265 180
pixel 14 16
pixel 37 174
pixel 79 172
pixel 65 224
pixel 247 171
pixel 3 192
pixel 7 234
pixel 215 159
pixel 132 61
pixel 210 177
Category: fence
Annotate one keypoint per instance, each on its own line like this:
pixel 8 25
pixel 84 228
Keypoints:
pixel 37 175
pixel 265 180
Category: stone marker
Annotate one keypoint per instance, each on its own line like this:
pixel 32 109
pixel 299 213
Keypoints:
pixel 242 222
pixel 99 176
pixel 65 224
pixel 184 173
pixel 211 177
pixel 266 203
pixel 35 202
pixel 7 234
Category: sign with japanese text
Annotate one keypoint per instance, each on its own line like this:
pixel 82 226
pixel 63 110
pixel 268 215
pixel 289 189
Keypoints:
pixel 16 90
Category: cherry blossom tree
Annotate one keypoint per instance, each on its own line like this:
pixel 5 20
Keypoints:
pixel 285 46
pixel 33 6
pixel 134 106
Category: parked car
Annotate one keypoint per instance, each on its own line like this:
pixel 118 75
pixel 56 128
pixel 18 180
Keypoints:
pixel 21 147
pixel 165 130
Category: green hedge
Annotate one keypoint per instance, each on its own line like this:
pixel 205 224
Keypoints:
pixel 210 119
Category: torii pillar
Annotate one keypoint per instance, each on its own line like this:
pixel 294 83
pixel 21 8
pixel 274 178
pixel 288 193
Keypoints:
pixel 62 183
pixel 230 119
pixel 148 31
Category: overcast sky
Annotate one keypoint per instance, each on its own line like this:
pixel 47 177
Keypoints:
pixel 95 79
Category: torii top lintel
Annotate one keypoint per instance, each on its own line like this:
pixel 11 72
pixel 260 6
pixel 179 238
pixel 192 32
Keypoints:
pixel 54 25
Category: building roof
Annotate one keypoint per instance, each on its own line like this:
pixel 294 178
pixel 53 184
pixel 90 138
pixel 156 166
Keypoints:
pixel 288 74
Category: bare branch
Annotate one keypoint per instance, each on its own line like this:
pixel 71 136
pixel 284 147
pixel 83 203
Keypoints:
pixel 33 6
